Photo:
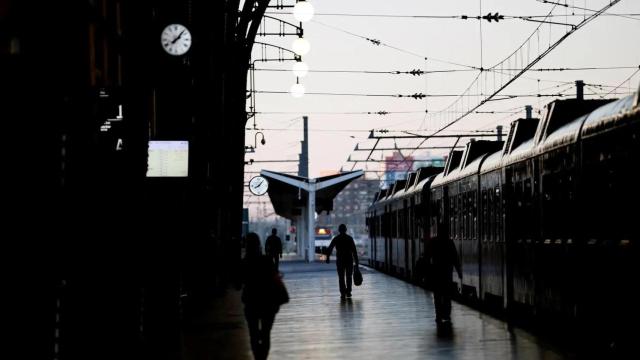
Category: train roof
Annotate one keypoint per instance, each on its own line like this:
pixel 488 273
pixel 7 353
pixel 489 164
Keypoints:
pixel 565 135
pixel 470 169
pixel 398 189
pixel 411 180
pixel 520 153
pixel 375 196
pixel 438 180
pixel 425 176
pixel 492 162
pixel 559 113
pixel 474 154
pixel 610 115
pixel 453 161
pixel 520 141
pixel 522 130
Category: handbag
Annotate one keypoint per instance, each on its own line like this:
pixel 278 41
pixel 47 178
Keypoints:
pixel 279 293
pixel 357 276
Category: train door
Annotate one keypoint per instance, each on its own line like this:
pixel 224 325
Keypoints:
pixel 373 227
pixel 386 235
pixel 444 230
pixel 406 235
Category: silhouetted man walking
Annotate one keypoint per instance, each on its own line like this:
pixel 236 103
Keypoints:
pixel 273 247
pixel 442 258
pixel 346 254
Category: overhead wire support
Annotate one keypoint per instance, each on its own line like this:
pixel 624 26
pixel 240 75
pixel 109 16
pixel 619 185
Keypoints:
pixel 545 21
pixel 626 16
pixel 282 24
pixel 528 66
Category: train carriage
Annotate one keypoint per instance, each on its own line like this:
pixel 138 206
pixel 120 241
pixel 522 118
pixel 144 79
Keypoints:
pixel 542 224
pixel 609 261
pixel 519 221
pixel 465 185
pixel 444 222
pixel 556 163
pixel 490 234
pixel 418 197
pixel 398 226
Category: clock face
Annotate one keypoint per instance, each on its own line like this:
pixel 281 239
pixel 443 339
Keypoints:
pixel 176 39
pixel 258 185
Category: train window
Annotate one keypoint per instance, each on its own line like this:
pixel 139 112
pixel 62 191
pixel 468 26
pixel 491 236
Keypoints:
pixel 491 225
pixel 469 216
pixel 452 217
pixel 394 224
pixel 459 223
pixel 484 216
pixel 549 207
pixel 472 215
pixel 519 226
pixel 464 227
pixel 498 207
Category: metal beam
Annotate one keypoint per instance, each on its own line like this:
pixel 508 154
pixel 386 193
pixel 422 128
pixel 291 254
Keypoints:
pixel 323 184
pixel 409 148
pixel 371 136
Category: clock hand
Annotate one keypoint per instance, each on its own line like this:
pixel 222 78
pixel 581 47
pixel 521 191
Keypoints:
pixel 177 38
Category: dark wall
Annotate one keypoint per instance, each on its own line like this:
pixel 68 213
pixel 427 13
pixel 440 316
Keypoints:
pixel 99 253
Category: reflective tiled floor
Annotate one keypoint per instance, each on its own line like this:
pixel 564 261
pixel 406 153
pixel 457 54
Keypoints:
pixel 386 319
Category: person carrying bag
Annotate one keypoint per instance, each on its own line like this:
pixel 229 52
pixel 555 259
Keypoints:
pixel 278 292
pixel 346 255
pixel 357 276
pixel 262 295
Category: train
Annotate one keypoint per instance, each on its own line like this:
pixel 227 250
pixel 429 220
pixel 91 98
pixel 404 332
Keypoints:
pixel 543 222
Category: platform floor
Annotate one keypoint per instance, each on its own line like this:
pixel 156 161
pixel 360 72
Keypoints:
pixel 386 319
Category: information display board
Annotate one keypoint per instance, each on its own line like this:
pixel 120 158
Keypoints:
pixel 168 159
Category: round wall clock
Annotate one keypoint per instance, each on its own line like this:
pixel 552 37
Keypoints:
pixel 176 39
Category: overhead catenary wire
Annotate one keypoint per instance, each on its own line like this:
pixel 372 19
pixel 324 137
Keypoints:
pixel 418 72
pixel 380 43
pixel 494 68
pixel 453 17
pixel 627 16
pixel 519 74
pixel 414 96
pixel 622 83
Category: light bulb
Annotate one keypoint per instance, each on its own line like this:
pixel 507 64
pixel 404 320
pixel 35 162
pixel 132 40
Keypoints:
pixel 303 11
pixel 297 90
pixel 300 69
pixel 301 46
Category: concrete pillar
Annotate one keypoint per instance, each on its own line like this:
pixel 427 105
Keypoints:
pixel 311 221
pixel 302 234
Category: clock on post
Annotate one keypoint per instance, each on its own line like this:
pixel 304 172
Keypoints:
pixel 258 185
pixel 176 39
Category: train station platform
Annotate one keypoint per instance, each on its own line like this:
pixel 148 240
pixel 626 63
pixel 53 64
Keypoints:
pixel 386 319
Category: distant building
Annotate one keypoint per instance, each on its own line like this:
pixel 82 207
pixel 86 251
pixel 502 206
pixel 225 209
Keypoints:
pixel 396 167
pixel 350 207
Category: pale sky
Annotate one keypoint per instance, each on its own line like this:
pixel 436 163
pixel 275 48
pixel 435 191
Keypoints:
pixel 607 41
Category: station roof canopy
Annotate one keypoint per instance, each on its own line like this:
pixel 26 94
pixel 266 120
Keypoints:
pixel 289 193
